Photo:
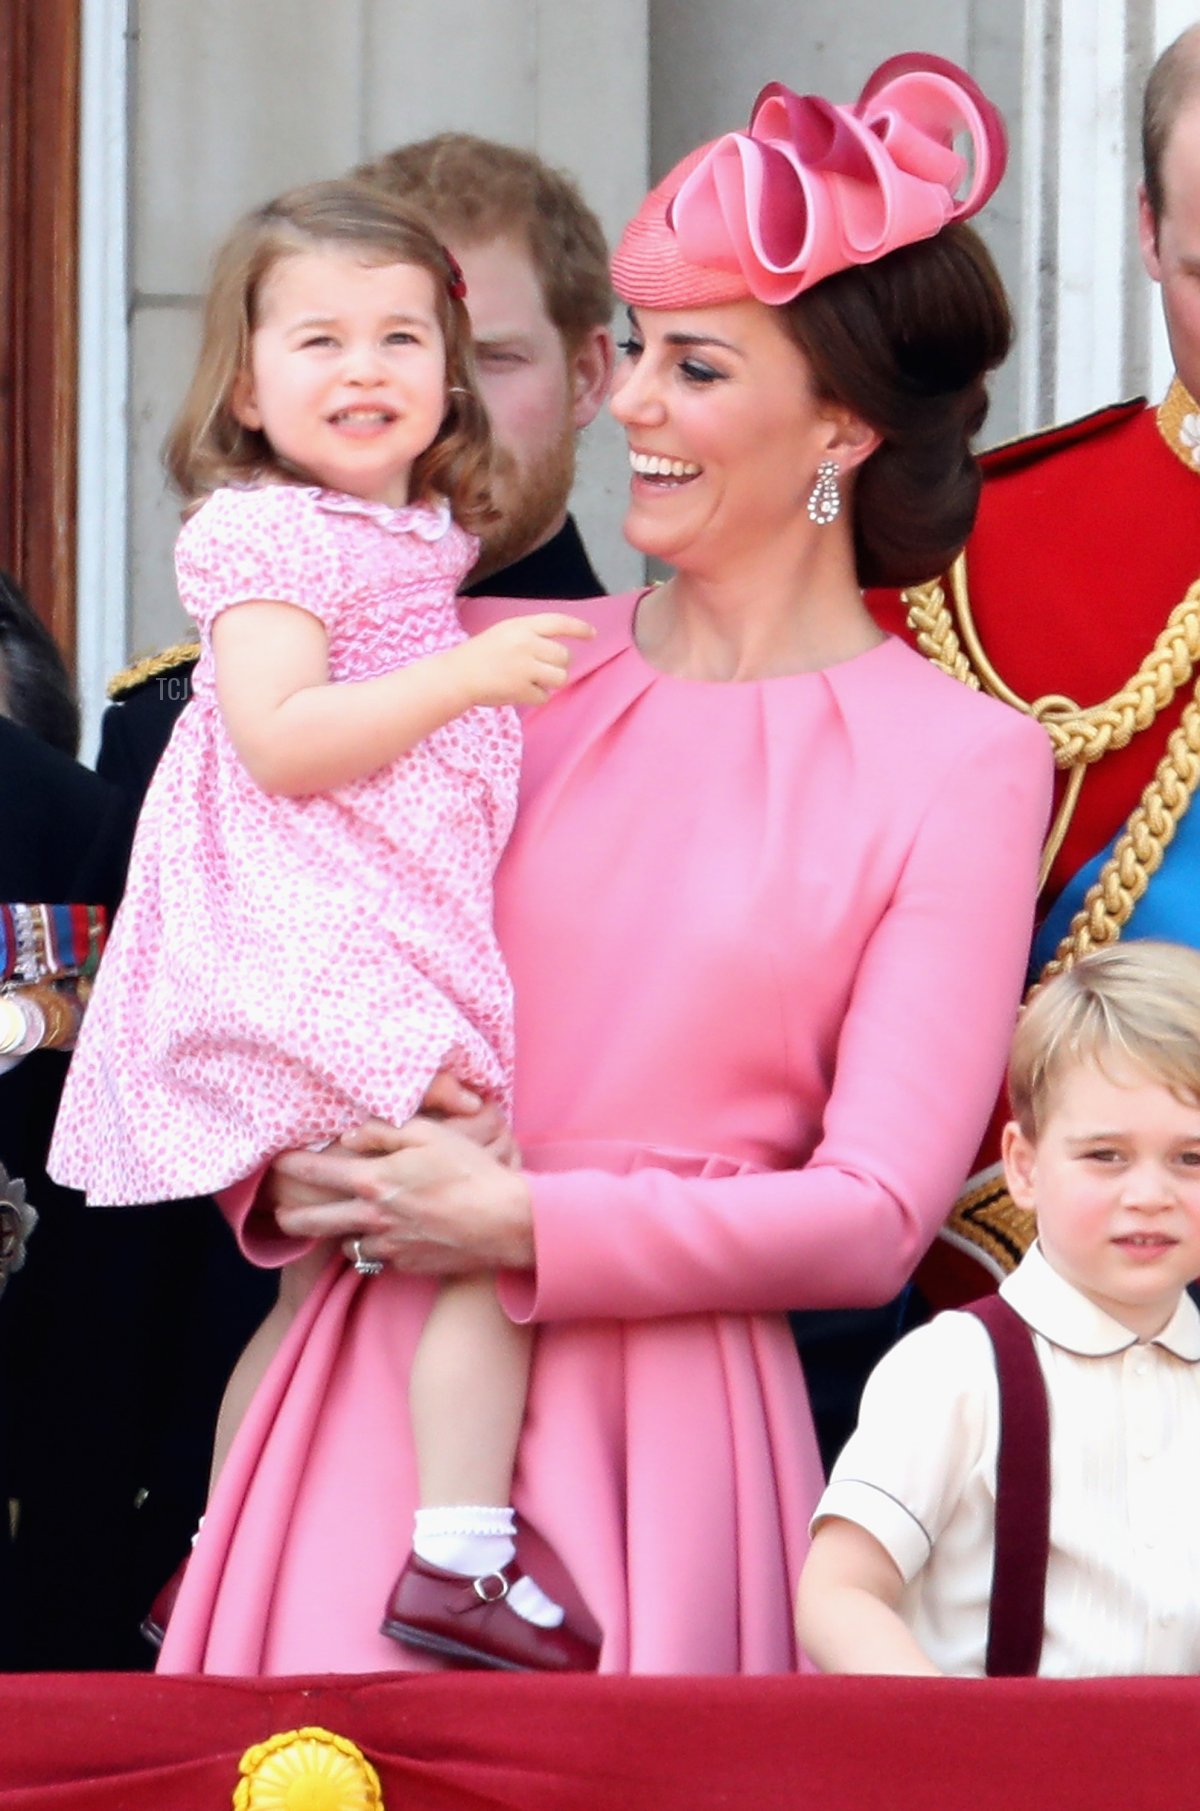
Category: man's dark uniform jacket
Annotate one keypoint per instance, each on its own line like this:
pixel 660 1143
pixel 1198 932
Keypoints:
pixel 68 1421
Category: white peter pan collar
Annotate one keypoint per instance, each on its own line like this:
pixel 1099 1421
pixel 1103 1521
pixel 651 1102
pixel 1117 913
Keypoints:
pixel 427 521
pixel 1060 1313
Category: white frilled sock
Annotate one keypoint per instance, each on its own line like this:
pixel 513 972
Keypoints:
pixel 475 1539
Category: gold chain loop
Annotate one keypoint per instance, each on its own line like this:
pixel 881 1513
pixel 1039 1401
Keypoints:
pixel 1108 903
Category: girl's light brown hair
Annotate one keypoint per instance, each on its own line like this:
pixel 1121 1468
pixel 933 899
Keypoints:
pixel 1136 1005
pixel 208 446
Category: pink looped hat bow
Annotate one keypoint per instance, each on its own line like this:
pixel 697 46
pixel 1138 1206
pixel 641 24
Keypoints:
pixel 812 188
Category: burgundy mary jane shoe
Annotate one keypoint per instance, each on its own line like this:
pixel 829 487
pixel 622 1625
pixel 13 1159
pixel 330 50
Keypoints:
pixel 154 1624
pixel 468 1620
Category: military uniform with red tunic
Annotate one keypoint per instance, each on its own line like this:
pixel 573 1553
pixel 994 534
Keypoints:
pixel 1078 599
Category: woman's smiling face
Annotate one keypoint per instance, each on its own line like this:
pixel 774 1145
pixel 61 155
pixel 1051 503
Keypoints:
pixel 725 432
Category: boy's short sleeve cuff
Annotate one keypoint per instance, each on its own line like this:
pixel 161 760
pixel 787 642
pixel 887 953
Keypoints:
pixel 893 1526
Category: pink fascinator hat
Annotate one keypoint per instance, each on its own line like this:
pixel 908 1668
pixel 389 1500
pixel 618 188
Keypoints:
pixel 811 188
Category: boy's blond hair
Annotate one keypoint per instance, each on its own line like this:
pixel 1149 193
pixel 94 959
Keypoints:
pixel 1137 1003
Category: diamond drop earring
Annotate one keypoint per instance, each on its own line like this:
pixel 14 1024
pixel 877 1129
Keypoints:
pixel 825 499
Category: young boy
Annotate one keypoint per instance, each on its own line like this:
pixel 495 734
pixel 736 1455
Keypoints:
pixel 1105 1148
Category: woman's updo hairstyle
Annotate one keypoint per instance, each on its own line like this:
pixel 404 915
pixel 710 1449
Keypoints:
pixel 906 344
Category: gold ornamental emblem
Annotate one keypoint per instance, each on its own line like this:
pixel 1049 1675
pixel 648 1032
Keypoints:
pixel 307 1770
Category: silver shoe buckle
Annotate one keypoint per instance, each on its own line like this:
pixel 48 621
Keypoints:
pixel 480 1587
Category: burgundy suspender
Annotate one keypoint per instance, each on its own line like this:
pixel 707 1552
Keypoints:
pixel 1017 1614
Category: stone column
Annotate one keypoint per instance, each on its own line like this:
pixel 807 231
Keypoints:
pixel 1091 324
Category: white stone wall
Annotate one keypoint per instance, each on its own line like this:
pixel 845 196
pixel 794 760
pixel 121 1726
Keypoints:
pixel 1068 75
pixel 235 100
pixel 231 100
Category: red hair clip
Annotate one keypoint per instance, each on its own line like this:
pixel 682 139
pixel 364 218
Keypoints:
pixel 456 283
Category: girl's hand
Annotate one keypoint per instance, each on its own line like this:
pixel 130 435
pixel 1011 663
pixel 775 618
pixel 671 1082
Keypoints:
pixel 521 660
pixel 450 1102
pixel 426 1200
pixel 447 1099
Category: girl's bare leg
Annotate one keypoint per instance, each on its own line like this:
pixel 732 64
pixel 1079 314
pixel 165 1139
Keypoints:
pixel 467 1390
pixel 467 1394
pixel 295 1282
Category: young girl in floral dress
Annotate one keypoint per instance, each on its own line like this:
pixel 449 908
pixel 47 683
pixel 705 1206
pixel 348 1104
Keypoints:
pixel 306 938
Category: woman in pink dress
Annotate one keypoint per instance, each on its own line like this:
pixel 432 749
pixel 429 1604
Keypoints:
pixel 766 908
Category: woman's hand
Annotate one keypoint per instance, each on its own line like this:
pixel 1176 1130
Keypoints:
pixel 420 1197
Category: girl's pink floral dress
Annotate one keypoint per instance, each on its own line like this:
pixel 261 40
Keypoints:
pixel 283 967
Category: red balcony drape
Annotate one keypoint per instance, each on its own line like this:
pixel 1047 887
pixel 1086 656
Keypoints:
pixel 106 1742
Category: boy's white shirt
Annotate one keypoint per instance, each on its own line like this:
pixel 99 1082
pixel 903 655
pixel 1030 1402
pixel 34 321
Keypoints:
pixel 1123 1583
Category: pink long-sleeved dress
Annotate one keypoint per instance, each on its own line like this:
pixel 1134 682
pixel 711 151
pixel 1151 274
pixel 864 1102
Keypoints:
pixel 767 941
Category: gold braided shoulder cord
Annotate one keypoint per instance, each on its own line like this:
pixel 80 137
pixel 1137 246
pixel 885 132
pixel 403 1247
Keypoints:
pixel 152 666
pixel 1108 903
pixel 1080 736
